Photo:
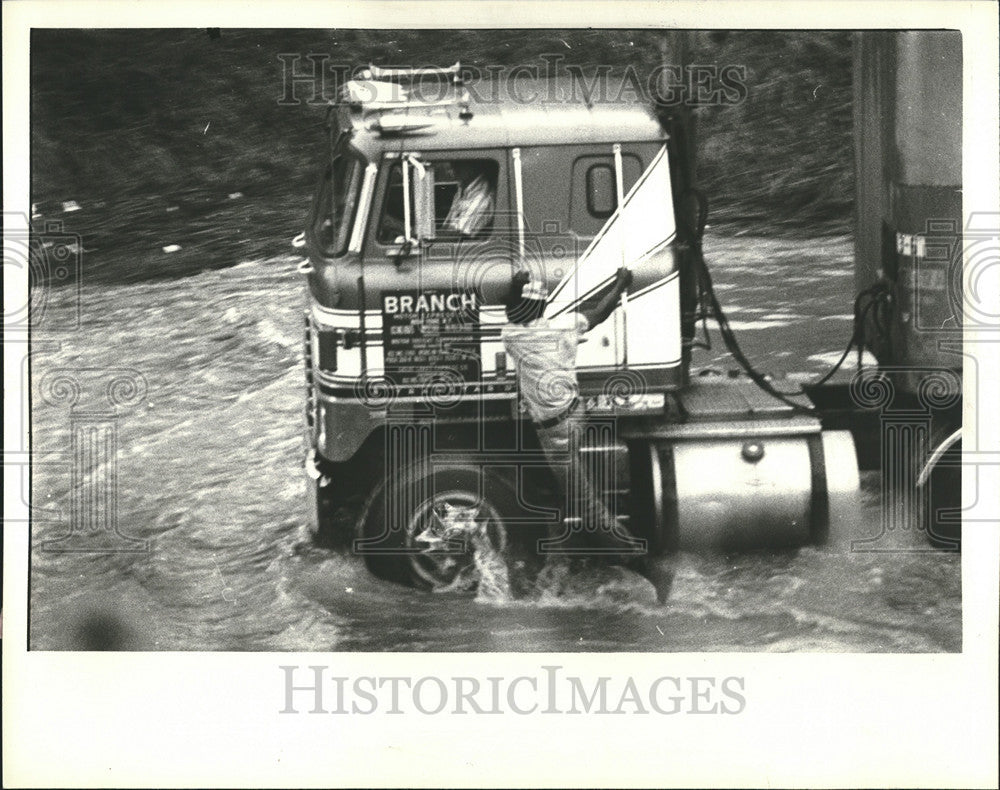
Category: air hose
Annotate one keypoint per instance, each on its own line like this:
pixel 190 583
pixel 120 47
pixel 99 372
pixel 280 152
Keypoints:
pixel 879 296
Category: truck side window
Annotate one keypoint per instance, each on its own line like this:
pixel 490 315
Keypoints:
pixel 391 224
pixel 464 200
pixel 337 203
pixel 594 196
pixel 601 198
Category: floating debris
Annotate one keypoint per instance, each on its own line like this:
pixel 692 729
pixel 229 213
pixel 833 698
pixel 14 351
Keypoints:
pixel 173 208
pixel 831 357
pixel 72 247
pixel 234 195
pixel 747 326
pixel 70 205
pixel 172 248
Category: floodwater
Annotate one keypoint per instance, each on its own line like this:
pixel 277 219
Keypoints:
pixel 209 474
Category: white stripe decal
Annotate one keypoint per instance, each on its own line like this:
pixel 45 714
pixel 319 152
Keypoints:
pixel 654 286
pixel 607 282
pixel 666 220
pixel 489 315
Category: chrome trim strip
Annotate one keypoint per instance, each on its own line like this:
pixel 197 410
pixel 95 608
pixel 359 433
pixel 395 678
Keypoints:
pixel 367 187
pixel 471 397
pixel 622 235
pixel 519 193
pixel 743 429
pixel 406 200
pixel 496 312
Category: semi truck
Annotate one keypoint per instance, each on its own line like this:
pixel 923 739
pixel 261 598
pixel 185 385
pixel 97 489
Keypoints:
pixel 412 410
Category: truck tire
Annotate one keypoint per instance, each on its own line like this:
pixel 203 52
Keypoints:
pixel 941 518
pixel 423 527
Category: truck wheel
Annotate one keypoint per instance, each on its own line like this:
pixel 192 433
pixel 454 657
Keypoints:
pixel 941 519
pixel 426 528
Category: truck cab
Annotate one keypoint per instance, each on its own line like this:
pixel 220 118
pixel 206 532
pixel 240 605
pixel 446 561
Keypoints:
pixel 434 194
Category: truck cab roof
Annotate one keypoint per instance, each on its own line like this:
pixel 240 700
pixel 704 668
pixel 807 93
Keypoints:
pixel 388 116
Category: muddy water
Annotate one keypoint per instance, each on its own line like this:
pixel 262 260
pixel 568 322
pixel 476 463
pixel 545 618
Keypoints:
pixel 209 475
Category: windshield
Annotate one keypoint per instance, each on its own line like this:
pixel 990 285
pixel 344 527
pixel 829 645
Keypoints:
pixel 337 204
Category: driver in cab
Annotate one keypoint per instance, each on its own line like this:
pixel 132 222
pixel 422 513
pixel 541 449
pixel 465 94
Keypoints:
pixel 472 207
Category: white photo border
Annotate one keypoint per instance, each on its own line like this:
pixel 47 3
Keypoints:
pixel 197 719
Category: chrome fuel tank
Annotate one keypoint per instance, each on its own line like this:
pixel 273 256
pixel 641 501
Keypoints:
pixel 749 492
pixel 732 468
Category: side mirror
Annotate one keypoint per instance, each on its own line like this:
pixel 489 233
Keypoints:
pixel 423 203
pixel 419 225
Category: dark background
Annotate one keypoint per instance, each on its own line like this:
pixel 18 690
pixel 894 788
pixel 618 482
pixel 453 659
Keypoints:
pixel 151 131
